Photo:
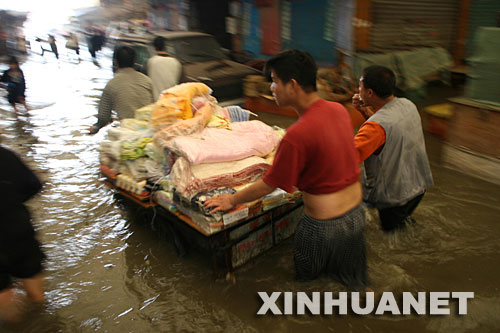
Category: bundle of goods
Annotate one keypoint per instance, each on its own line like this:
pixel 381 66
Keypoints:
pixel 187 148
pixel 256 85
pixel 336 84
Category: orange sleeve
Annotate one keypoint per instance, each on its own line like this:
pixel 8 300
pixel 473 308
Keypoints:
pixel 370 137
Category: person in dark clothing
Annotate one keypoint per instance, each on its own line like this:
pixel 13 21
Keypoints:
pixel 20 254
pixel 101 39
pixel 93 42
pixel 13 79
pixel 53 46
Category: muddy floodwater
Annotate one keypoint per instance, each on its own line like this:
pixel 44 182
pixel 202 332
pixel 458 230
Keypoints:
pixel 108 270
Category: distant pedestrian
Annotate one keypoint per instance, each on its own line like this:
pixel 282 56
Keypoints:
pixel 13 81
pixel 53 46
pixel 95 41
pixel 72 43
pixel 92 42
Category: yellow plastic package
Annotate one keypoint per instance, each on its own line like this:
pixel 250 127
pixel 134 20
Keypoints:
pixel 175 103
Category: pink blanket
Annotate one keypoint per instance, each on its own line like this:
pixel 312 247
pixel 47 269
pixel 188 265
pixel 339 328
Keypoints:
pixel 248 138
pixel 190 180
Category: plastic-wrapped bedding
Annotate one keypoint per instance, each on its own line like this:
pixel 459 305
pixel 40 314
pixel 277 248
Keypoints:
pixel 190 180
pixel 175 103
pixel 248 138
pixel 142 168
pixel 185 127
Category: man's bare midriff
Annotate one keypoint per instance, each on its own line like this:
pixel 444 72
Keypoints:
pixel 332 205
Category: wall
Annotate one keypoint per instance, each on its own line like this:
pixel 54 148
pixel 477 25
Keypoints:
pixel 316 26
pixel 308 23
pixel 251 29
pixel 212 19
pixel 481 13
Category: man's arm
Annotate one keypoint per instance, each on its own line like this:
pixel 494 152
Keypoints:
pixel 229 201
pixel 288 163
pixel 23 81
pixel 4 78
pixel 104 113
pixel 370 138
pixel 151 92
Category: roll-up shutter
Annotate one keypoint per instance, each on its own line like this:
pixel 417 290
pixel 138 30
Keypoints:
pixel 407 24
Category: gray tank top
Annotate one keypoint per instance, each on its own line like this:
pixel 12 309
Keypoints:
pixel 401 171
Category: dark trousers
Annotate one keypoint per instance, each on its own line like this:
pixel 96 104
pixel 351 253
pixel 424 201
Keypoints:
pixel 53 46
pixel 394 217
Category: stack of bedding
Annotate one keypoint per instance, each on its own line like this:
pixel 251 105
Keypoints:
pixel 190 146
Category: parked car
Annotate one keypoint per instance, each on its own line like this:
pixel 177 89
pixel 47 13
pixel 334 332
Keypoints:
pixel 202 58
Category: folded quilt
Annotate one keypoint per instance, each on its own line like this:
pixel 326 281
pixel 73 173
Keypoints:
pixel 190 180
pixel 249 138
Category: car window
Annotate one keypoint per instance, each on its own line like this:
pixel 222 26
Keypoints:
pixel 195 49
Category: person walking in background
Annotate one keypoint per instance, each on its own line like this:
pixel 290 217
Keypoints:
pixel 14 82
pixel 126 92
pixel 95 42
pixel 72 43
pixel 390 144
pixel 92 43
pixel 20 254
pixel 53 46
pixel 165 71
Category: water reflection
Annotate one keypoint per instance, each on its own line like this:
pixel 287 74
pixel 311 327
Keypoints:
pixel 109 270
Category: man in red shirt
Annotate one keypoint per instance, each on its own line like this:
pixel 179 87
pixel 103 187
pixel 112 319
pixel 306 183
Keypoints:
pixel 316 156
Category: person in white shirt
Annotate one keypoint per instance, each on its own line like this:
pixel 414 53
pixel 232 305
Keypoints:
pixel 165 71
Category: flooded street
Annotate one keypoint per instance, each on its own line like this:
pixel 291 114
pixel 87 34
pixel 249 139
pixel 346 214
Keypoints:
pixel 109 271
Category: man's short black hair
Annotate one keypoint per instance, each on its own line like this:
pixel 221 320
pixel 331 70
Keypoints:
pixel 380 79
pixel 13 60
pixel 159 43
pixel 125 56
pixel 294 64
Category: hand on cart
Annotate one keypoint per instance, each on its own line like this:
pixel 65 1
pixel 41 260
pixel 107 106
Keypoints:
pixel 220 203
